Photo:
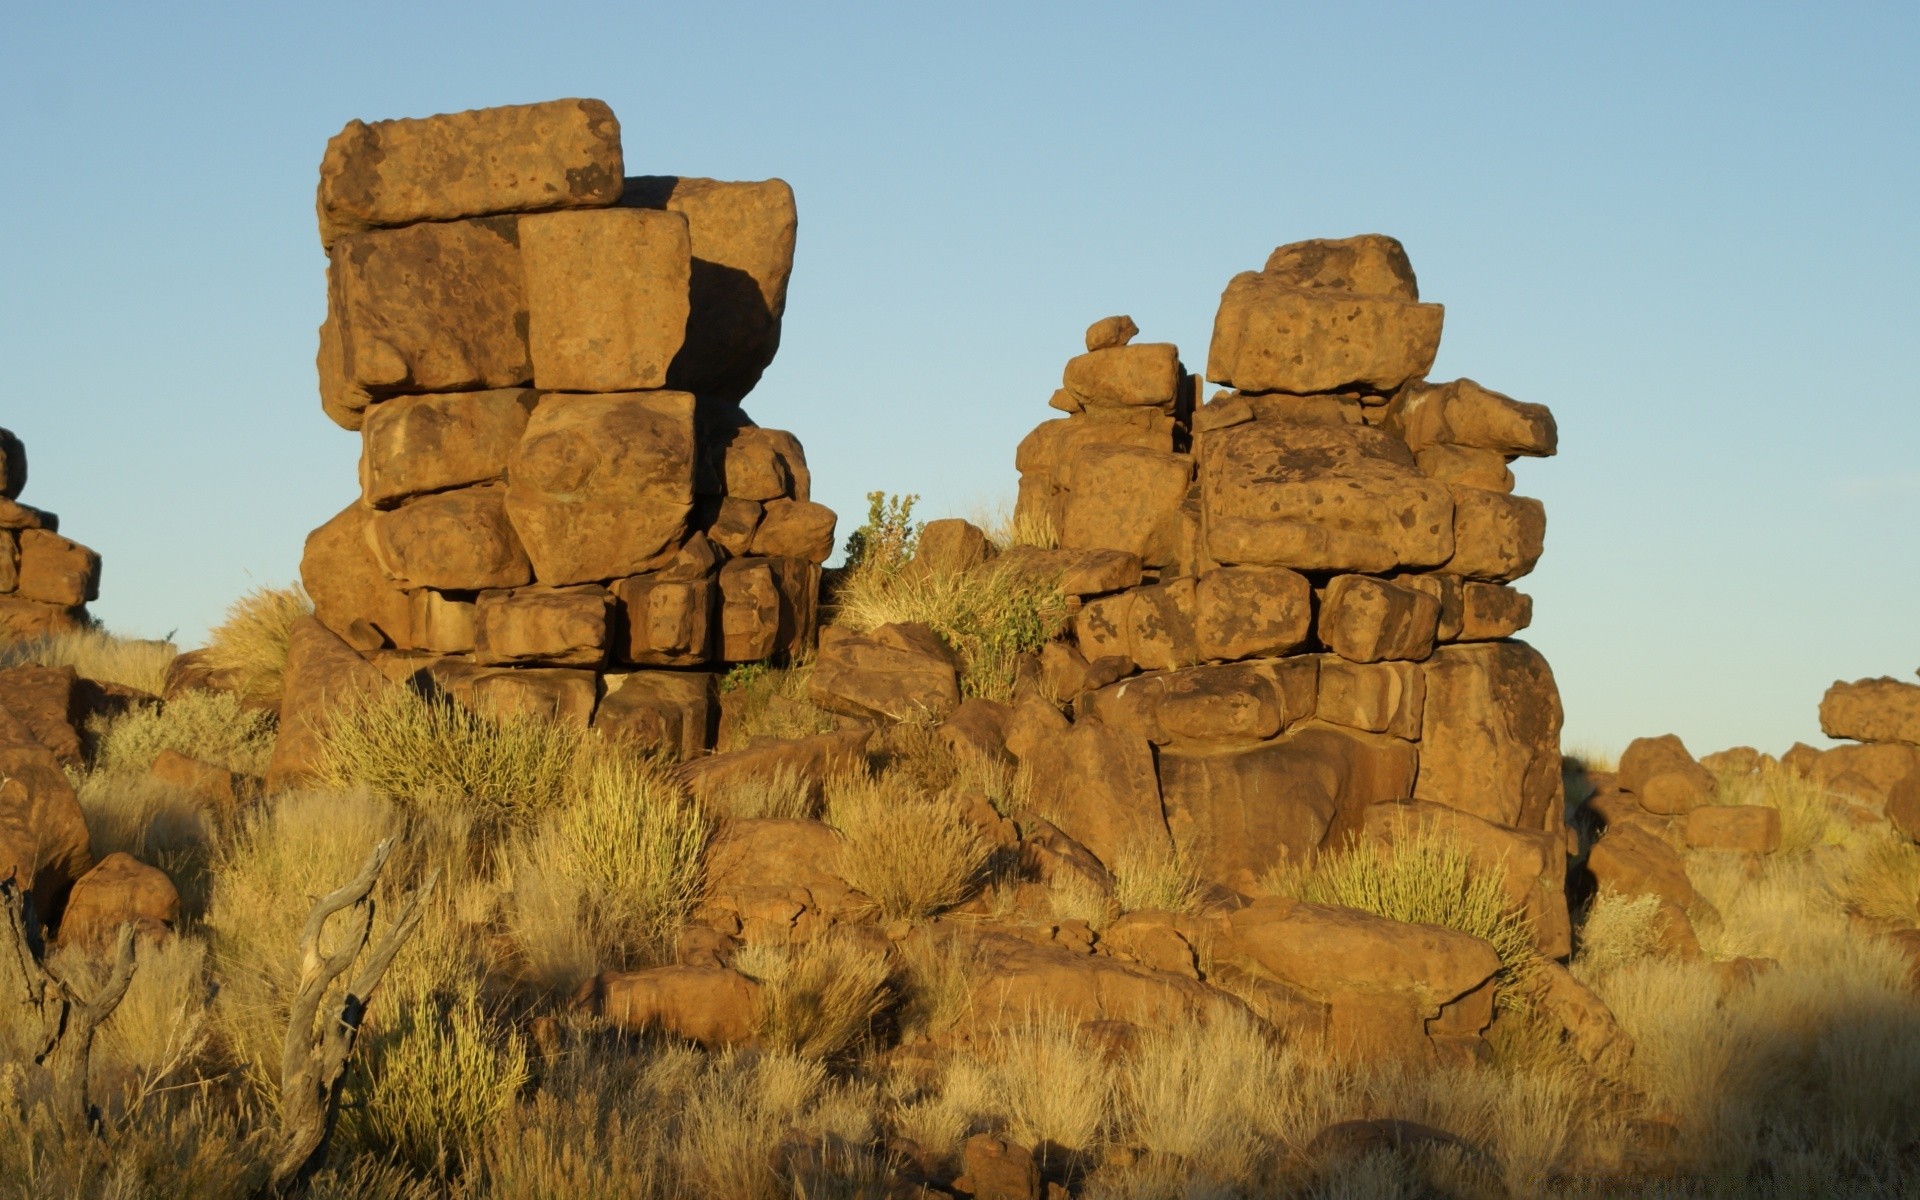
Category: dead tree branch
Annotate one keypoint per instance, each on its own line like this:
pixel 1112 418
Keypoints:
pixel 313 1061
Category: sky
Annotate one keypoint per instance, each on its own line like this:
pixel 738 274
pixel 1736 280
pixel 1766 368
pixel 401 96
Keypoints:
pixel 1689 229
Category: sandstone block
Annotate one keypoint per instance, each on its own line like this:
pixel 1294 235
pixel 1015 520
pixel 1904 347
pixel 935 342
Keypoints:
pixel 1146 374
pixel 1663 776
pixel 1109 332
pixel 1244 701
pixel 1371 264
pixel 1490 734
pixel 1903 805
pixel 795 529
pixel 951 546
pixel 13 465
pixel 53 703
pixel 1866 710
pixel 813 759
pixel 713 1006
pixel 1013 981
pixel 733 524
pixel 1097 783
pixel 9 561
pixel 1160 626
pixel 1385 697
pixel 1125 498
pixel 439 307
pixel 1251 612
pixel 24 620
pixel 1495 537
pixel 440 624
pixel 606 297
pixel 562 627
pixel 755 466
pixel 1448 590
pixel 14 515
pixel 1363 619
pixel 1271 337
pixel 514 158
pixel 416 444
pixel 1751 827
pixel 742 239
pixel 54 570
pixel 995 1169
pixel 43 835
pixel 669 622
pixel 119 890
pixel 1320 498
pixel 1531 863
pixel 1486 469
pixel 662 712
pixel 1631 861
pixel 1075 572
pixel 978 729
pixel 537 693
pixel 749 610
pixel 1879 765
pixel 453 541
pixel 322 673
pixel 600 485
pixel 1463 413
pixel 352 594
pixel 1490 611
pixel 897 672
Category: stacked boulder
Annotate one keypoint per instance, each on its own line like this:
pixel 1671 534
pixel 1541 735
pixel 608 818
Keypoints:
pixel 45 580
pixel 1880 718
pixel 563 509
pixel 1292 615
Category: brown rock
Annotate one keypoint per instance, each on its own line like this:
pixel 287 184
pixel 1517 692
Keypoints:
pixel 439 624
pixel 1866 710
pixel 453 541
pixel 1075 572
pixel 1244 701
pixel 1013 982
pixel 1097 783
pixel 1321 497
pixel 733 524
pixel 438 307
pixel 1586 1025
pixel 742 239
pixel 119 890
pixel 53 703
pixel 14 515
pixel 1463 413
pixel 1151 938
pixel 950 547
pixel 1387 697
pixel 1490 611
pixel 1495 537
pixel 9 561
pixel 1271 337
pixel 1248 808
pixel 13 465
pixel 1125 498
pixel 1371 264
pixel 1903 805
pixel 795 529
pixel 1449 591
pixel 812 758
pixel 1109 332
pixel 43 836
pixel 1879 764
pixel 600 485
pixel 416 444
pixel 606 297
pixel 1490 734
pixel 1251 612
pixel 897 672
pixel 322 673
pixel 26 620
pixel 54 570
pixel 1366 620
pixel 562 627
pixel 1737 760
pixel 662 712
pixel 351 593
pixel 670 622
pixel 713 1006
pixel 514 158
pixel 537 693
pixel 749 610
pixel 1042 453
pixel 1631 861
pixel 785 861
pixel 1532 863
pixel 1754 828
pixel 1663 776
pixel 214 784
pixel 993 1168
pixel 1160 626
pixel 978 727
pixel 1800 759
pixel 1486 469
pixel 1142 375
pixel 1390 986
pixel 762 464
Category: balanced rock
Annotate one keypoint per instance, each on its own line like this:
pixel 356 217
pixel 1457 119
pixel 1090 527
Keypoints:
pixel 1663 776
pixel 606 297
pixel 1872 710
pixel 1366 620
pixel 898 672
pixel 1371 264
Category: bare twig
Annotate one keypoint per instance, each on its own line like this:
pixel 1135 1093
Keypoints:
pixel 313 1061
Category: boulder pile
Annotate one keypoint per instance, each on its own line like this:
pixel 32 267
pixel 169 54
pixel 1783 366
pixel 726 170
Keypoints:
pixel 563 509
pixel 1881 766
pixel 1293 602
pixel 45 580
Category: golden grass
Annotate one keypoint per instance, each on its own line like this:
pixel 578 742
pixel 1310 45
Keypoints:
pixel 1051 1084
pixel 1882 879
pixel 1161 877
pixel 783 791
pixel 910 854
pixel 98 655
pixel 443 1076
pixel 250 645
pixel 819 999
pixel 1618 930
pixel 213 727
pixel 769 702
pixel 1808 816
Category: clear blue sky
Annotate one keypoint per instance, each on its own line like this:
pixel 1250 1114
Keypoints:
pixel 1690 229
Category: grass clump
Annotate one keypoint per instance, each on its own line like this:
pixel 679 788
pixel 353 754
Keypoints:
pixel 1807 816
pixel 820 998
pixel 1158 877
pixel 441 1077
pixel 98 655
pixel 909 853
pixel 250 645
pixel 213 727
pixel 1618 930
pixel 1881 880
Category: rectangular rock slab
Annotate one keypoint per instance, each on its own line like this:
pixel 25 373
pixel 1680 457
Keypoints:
pixel 415 444
pixel 352 594
pixel 1490 734
pixel 664 712
pixel 458 541
pixel 430 308
pixel 536 693
pixel 1125 498
pixel 1271 337
pixel 514 158
pixel 600 485
pixel 606 297
pixel 1097 784
pixel 1872 710
pixel 1385 697
pixel 54 570
pixel 561 627
pixel 668 622
pixel 1496 537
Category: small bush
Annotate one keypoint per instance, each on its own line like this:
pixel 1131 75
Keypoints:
pixel 213 727
pixel 910 854
pixel 1161 877
pixel 441 1076
pixel 434 754
pixel 251 644
pixel 98 655
pixel 1618 930
pixel 635 842
pixel 889 536
pixel 820 998
pixel 784 791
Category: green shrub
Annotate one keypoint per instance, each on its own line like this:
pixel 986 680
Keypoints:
pixel 213 727
pixel 441 1075
pixel 889 536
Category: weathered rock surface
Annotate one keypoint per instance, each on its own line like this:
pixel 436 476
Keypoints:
pixel 709 1005
pixel 1270 336
pixel 1663 776
pixel 1872 710
pixel 322 673
pixel 119 890
pixel 416 444
pixel 897 672
pixel 453 541
pixel 43 837
pixel 1367 620
pixel 1490 734
pixel 1754 828
pixel 606 297
pixel 1013 982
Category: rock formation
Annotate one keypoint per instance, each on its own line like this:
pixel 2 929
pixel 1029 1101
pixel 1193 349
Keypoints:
pixel 1880 765
pixel 562 508
pixel 45 580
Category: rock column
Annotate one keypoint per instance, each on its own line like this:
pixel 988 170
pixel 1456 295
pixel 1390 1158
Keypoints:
pixel 45 579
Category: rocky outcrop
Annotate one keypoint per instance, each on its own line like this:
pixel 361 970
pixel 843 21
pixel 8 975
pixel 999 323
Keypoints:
pixel 46 580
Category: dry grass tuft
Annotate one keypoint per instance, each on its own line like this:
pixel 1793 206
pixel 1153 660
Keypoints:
pixel 784 791
pixel 820 998
pixel 1162 877
pixel 251 644
pixel 1618 931
pixel 1051 1083
pixel 910 854
pixel 213 727
pixel 1881 880
pixel 443 1074
pixel 1807 816
pixel 770 702
pixel 98 655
